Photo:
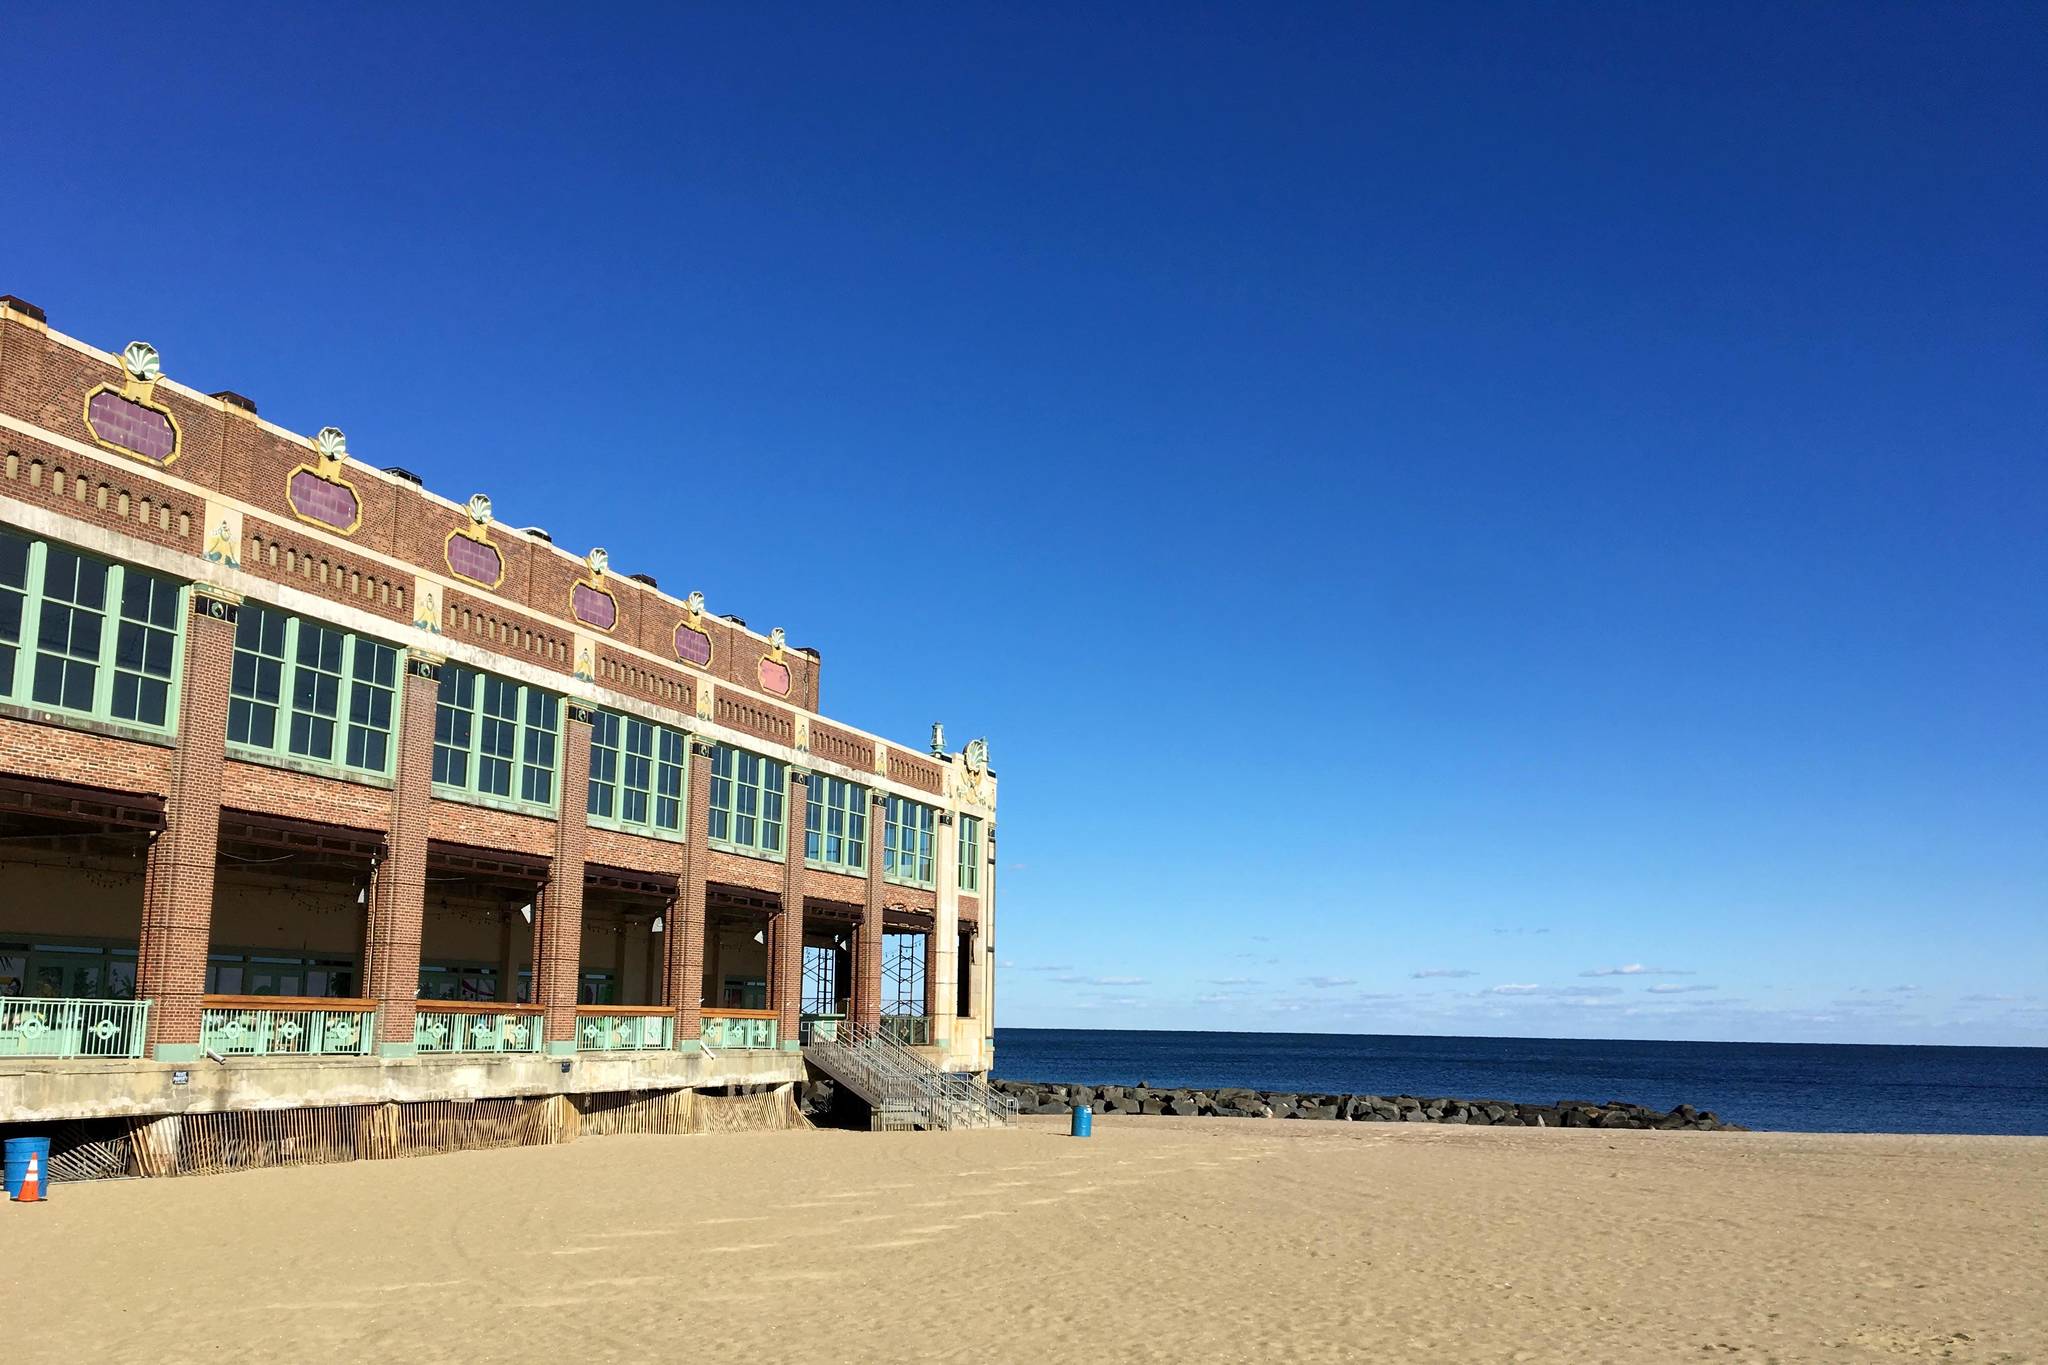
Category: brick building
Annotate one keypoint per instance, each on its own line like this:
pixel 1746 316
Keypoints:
pixel 319 790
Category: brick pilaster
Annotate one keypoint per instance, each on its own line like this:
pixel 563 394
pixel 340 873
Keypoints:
pixel 686 933
pixel 398 892
pixel 177 894
pixel 558 946
pixel 867 947
pixel 788 973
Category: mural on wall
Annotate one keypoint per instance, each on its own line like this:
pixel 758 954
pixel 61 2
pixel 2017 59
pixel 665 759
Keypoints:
pixel 468 549
pixel 224 540
pixel 426 606
pixel 774 672
pixel 589 601
pixel 128 419
pixel 318 493
pixel 693 642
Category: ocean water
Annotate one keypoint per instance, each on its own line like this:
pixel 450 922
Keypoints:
pixel 1807 1087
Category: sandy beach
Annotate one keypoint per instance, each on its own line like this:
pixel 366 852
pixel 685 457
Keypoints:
pixel 1156 1240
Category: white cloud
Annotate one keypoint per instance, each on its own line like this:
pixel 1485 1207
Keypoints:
pixel 1325 983
pixel 1233 981
pixel 1672 988
pixel 1102 981
pixel 1636 969
pixel 1529 988
pixel 1427 972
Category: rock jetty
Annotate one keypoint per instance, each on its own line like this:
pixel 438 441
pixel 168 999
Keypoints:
pixel 1051 1097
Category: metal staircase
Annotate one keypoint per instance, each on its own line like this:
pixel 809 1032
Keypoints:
pixel 902 1089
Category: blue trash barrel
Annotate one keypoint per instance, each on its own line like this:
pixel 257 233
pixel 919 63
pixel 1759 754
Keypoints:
pixel 18 1150
pixel 1084 1121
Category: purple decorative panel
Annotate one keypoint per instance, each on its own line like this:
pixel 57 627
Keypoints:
pixel 476 561
pixel 131 426
pixel 774 676
pixel 693 646
pixel 330 504
pixel 594 607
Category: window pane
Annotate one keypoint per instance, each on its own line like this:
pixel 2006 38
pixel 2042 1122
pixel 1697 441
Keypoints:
pixel 68 635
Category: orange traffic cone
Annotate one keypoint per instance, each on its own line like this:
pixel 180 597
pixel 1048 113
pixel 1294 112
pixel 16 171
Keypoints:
pixel 31 1191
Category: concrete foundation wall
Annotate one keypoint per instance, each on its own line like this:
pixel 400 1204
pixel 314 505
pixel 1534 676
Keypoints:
pixel 35 1090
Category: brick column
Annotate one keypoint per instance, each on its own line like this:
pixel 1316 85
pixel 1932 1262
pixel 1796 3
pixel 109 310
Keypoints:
pixel 685 929
pixel 177 886
pixel 867 942
pixel 558 939
pixel 398 893
pixel 787 971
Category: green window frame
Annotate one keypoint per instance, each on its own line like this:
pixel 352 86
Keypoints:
pixel 747 793
pixel 636 775
pixel 496 741
pixel 87 636
pixel 306 691
pixel 907 842
pixel 836 824
pixel 970 853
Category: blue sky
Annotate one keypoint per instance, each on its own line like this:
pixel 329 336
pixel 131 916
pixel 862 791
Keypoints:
pixel 1466 520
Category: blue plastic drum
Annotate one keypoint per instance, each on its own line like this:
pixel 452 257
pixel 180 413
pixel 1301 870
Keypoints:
pixel 18 1153
pixel 1084 1120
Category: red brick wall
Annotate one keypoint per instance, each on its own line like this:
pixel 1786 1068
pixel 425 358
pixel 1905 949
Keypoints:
pixel 265 790
pixel 101 491
pixel 842 746
pixel 733 869
pixel 59 754
pixel 916 772
pixel 787 983
pixel 458 822
pixel 751 717
pixel 398 894
pixel 177 893
pixel 558 938
pixel 284 554
pixel 45 382
pixel 686 949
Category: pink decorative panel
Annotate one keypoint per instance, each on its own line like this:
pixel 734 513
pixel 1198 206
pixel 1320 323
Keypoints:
pixel 594 606
pixel 330 504
pixel 476 561
pixel 774 676
pixel 693 646
pixel 129 425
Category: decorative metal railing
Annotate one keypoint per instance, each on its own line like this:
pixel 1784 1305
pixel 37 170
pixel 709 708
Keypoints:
pixel 43 1027
pixel 911 1030
pixel 274 1026
pixel 741 1030
pixel 476 1026
pixel 625 1028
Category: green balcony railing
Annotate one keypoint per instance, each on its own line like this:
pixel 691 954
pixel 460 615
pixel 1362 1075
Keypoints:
pixel 625 1028
pixel 740 1030
pixel 41 1027
pixel 287 1026
pixel 451 1026
pixel 911 1030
